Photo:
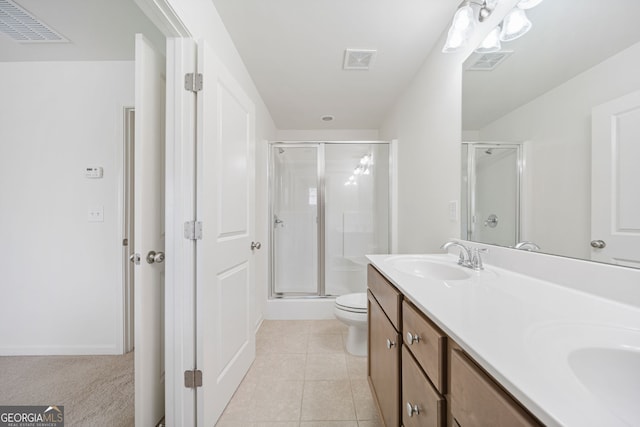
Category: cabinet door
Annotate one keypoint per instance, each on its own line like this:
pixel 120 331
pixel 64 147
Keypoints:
pixel 389 298
pixel 384 364
pixel 422 405
pixel 426 342
pixel 476 400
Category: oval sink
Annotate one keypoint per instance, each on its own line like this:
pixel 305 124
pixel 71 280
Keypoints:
pixel 600 360
pixel 429 268
pixel 612 375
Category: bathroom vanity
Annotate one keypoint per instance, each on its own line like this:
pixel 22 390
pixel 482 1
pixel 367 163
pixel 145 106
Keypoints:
pixel 449 346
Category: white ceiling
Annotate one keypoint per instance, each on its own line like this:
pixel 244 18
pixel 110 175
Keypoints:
pixel 294 51
pixel 96 30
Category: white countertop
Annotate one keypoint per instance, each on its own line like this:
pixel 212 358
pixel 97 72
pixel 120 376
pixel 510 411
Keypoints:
pixel 568 356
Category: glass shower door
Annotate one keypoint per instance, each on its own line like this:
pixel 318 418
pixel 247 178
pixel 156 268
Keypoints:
pixel 356 212
pixel 294 219
pixel 492 193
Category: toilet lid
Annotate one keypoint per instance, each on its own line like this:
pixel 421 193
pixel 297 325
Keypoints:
pixel 353 302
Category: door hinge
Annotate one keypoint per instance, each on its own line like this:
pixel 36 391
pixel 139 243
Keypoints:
pixel 193 230
pixel 193 378
pixel 193 82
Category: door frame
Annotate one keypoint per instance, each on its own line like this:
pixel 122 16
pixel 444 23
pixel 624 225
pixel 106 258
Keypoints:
pixel 127 225
pixel 179 207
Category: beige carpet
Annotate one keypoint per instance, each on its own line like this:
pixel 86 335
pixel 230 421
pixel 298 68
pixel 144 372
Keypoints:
pixel 94 390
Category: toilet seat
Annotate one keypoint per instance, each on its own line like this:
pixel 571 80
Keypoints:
pixel 354 303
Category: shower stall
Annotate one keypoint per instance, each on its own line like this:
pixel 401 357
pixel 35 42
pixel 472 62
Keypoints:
pixel 491 187
pixel 329 207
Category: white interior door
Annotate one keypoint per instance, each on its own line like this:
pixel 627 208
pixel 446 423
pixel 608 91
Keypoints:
pixel 225 334
pixel 615 175
pixel 149 233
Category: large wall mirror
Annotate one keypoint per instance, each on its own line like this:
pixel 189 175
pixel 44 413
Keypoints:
pixel 568 88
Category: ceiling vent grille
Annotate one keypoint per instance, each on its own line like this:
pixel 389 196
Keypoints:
pixel 487 61
pixel 21 26
pixel 358 59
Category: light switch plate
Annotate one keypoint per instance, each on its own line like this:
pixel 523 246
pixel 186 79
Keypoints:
pixel 453 210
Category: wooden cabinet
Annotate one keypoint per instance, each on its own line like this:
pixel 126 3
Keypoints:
pixel 426 342
pixel 422 405
pixel 384 363
pixel 389 298
pixel 476 400
pixel 420 377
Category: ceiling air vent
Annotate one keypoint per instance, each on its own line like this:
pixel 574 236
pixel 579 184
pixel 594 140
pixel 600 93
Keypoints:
pixel 21 26
pixel 486 61
pixel 358 59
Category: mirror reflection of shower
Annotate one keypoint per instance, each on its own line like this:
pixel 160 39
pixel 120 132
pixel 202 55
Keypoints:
pixel 329 207
pixel 491 189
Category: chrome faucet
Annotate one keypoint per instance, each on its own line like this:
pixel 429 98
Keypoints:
pixel 527 246
pixel 476 259
pixel 465 254
pixel 468 258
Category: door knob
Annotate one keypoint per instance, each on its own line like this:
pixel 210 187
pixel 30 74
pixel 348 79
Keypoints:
pixel 135 258
pixel 390 344
pixel 598 244
pixel 256 245
pixel 155 257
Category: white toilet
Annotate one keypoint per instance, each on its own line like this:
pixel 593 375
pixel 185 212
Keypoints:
pixel 351 309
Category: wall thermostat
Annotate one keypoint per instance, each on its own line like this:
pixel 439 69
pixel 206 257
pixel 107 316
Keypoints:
pixel 93 172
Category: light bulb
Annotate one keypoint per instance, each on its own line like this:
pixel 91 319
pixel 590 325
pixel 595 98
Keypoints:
pixel 515 25
pixel 491 43
pixel 461 29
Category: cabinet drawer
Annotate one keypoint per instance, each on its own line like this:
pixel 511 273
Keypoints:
pixel 422 405
pixel 426 342
pixel 476 400
pixel 384 364
pixel 387 296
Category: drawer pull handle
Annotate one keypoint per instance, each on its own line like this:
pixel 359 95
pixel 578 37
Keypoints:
pixel 412 338
pixel 390 343
pixel 412 409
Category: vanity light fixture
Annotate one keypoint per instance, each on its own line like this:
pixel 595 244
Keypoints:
pixel 491 43
pixel 515 24
pixel 464 22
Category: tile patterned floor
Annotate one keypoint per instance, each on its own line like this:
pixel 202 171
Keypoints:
pixel 303 377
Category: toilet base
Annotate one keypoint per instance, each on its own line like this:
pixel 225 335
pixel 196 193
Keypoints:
pixel 357 340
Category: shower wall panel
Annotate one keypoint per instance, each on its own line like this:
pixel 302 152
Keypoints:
pixel 339 200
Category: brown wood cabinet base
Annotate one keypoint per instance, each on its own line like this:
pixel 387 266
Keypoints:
pixel 420 377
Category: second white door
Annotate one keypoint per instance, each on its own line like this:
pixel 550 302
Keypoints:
pixel 615 175
pixel 225 329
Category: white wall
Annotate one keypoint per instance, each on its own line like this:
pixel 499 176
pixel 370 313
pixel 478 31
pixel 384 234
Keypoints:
pixel 61 275
pixel 557 126
pixel 426 120
pixel 327 135
pixel 203 22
